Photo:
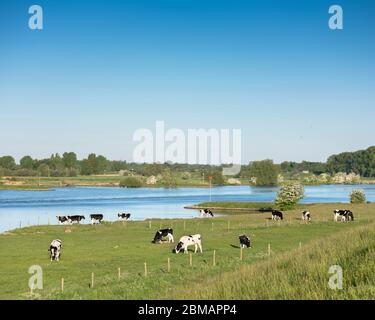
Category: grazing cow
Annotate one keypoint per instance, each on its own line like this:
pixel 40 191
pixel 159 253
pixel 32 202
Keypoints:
pixel 160 234
pixel 244 241
pixel 277 215
pixel 265 210
pixel 306 216
pixel 55 249
pixel 76 219
pixel 187 241
pixel 63 219
pixel 123 216
pixel 345 215
pixel 96 218
pixel 205 213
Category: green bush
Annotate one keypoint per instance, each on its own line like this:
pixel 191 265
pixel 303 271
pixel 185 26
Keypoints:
pixel 265 172
pixel 357 196
pixel 289 195
pixel 130 182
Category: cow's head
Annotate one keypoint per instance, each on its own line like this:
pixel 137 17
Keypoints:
pixel 178 247
pixel 158 237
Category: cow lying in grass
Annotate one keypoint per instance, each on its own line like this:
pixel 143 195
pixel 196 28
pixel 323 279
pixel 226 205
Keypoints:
pixel 345 215
pixel 276 215
pixel 244 241
pixel 187 241
pixel 55 249
pixel 160 234
pixel 306 216
pixel 96 218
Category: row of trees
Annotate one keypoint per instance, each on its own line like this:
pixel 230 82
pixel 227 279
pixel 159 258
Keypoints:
pixel 265 172
pixel 56 165
pixel 361 162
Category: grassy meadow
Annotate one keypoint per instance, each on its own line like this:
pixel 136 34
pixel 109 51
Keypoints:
pixel 297 267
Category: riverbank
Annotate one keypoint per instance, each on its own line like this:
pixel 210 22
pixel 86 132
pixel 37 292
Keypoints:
pixel 127 245
pixel 113 180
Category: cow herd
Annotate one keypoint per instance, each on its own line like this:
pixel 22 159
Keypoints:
pixel 187 240
pixel 95 218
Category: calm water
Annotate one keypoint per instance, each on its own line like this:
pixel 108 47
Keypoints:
pixel 33 207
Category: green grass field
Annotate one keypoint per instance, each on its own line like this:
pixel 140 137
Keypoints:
pixel 105 248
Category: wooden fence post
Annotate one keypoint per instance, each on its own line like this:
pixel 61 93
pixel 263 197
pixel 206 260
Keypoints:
pixel 92 280
pixel 62 285
pixel 145 269
pixel 269 249
pixel 149 224
pixel 119 273
pixel 169 265
pixel 300 245
pixel 214 259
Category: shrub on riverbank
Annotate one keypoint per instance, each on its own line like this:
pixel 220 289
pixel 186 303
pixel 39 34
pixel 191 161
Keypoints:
pixel 130 182
pixel 289 195
pixel 357 196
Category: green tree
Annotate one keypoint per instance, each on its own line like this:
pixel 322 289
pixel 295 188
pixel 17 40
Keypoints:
pixel 27 162
pixel 7 162
pixel 70 160
pixel 44 170
pixel 265 172
pixel 94 164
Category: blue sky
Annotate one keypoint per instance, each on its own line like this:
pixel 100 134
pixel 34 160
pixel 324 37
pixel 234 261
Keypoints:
pixel 99 70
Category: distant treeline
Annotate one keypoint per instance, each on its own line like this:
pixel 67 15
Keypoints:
pixel 361 162
pixel 67 165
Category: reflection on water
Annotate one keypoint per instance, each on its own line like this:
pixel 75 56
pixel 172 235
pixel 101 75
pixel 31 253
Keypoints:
pixel 29 207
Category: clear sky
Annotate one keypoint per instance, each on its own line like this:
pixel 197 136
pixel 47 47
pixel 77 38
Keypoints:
pixel 99 70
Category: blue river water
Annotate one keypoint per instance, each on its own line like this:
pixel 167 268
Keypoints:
pixel 41 207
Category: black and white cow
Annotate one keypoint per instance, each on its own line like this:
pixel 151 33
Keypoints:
pixel 244 241
pixel 306 216
pixel 96 218
pixel 76 219
pixel 344 215
pixel 160 234
pixel 206 212
pixel 277 215
pixel 63 219
pixel 55 249
pixel 123 216
pixel 187 241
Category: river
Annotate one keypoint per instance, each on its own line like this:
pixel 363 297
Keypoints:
pixel 41 207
